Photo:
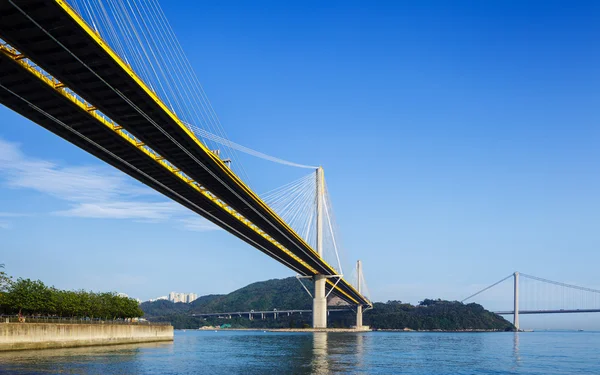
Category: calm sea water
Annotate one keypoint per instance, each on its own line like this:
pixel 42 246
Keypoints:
pixel 195 352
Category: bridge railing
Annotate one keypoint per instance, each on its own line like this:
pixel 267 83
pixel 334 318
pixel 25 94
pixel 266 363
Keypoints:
pixel 63 320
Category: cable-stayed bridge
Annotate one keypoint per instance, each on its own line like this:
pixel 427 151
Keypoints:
pixel 111 78
pixel 535 295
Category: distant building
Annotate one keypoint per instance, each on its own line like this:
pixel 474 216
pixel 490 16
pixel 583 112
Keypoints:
pixel 177 297
pixel 182 297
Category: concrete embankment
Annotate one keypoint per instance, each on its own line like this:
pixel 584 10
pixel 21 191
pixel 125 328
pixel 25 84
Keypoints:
pixel 20 336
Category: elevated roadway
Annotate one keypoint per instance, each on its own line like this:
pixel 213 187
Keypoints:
pixel 262 312
pixel 83 92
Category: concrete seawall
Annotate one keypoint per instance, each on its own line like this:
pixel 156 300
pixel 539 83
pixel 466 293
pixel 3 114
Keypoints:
pixel 20 336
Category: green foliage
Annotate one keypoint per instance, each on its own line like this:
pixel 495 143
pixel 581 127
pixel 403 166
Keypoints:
pixel 278 294
pixel 5 281
pixel 34 298
pixel 29 296
pixel 434 315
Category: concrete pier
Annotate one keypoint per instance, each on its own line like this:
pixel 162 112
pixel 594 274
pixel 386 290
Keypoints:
pixel 21 336
pixel 359 316
pixel 320 303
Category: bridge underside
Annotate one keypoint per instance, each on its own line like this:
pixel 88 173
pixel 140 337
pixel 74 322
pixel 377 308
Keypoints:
pixel 55 39
pixel 20 90
pixel 75 57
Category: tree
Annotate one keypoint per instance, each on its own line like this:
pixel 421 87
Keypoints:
pixel 30 296
pixel 5 280
pixel 34 298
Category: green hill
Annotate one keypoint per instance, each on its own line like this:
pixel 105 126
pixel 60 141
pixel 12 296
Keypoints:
pixel 281 294
pixel 431 315
pixel 288 294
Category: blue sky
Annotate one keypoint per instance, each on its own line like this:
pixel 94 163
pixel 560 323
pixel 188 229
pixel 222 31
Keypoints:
pixel 459 141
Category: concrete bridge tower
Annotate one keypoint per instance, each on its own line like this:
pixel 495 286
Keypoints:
pixel 359 308
pixel 319 299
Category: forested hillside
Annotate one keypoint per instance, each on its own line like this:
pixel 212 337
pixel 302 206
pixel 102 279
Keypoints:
pixel 288 294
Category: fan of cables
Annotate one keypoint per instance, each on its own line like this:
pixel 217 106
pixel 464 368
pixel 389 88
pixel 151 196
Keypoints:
pixel 296 204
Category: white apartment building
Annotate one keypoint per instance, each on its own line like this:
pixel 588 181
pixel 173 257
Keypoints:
pixel 182 297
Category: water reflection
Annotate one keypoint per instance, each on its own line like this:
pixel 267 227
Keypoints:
pixel 320 360
pixel 359 350
pixel 516 353
pixel 338 352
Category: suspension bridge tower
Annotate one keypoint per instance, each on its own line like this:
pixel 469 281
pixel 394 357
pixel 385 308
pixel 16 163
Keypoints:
pixel 516 301
pixel 319 299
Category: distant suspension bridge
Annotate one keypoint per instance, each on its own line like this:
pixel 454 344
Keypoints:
pixel 535 295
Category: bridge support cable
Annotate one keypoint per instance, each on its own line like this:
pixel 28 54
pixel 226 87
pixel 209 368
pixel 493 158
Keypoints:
pixel 300 278
pixel 222 141
pixel 539 294
pixel 515 276
pixel 295 203
pixel 332 235
pixel 486 288
pixel 140 32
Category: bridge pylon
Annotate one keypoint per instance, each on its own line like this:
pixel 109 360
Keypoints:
pixel 516 301
pixel 320 299
pixel 359 308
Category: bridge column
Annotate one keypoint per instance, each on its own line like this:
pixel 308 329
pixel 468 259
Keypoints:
pixel 319 300
pixel 320 303
pixel 359 308
pixel 359 317
pixel 516 305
